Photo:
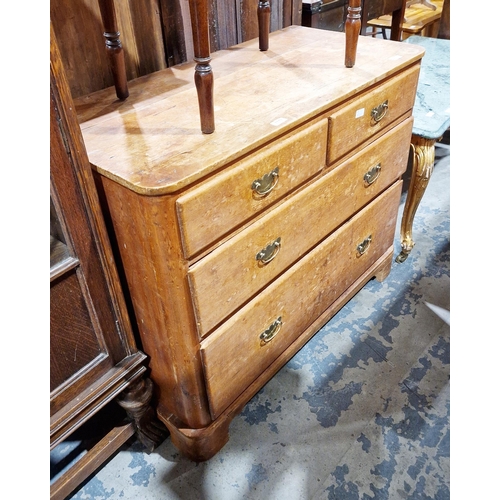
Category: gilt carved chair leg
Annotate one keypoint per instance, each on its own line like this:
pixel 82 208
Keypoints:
pixel 203 77
pixel 352 29
pixel 136 401
pixel 264 20
pixel 423 166
pixel 114 47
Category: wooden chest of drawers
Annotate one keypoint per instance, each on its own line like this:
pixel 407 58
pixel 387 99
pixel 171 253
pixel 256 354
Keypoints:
pixel 239 245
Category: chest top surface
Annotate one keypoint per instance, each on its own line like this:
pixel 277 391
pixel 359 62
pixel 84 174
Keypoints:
pixel 151 143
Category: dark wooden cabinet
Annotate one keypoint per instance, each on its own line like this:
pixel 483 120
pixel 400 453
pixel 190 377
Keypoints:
pixel 93 355
pixel 331 14
pixel 324 14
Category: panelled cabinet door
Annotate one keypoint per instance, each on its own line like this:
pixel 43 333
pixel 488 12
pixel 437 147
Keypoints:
pixel 85 337
pixel 93 355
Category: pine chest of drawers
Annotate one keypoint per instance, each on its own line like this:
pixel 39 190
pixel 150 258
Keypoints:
pixel 239 245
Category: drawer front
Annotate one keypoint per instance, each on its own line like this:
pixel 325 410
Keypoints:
pixel 354 123
pixel 237 270
pixel 213 209
pixel 242 348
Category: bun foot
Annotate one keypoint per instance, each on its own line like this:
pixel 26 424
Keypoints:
pixel 199 445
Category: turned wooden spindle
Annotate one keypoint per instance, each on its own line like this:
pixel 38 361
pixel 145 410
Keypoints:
pixel 352 29
pixel 114 47
pixel 203 76
pixel 264 20
pixel 136 400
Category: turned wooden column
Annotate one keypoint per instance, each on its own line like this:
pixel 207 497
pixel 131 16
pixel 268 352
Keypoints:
pixel 203 77
pixel 114 47
pixel 423 166
pixel 136 400
pixel 264 20
pixel 352 29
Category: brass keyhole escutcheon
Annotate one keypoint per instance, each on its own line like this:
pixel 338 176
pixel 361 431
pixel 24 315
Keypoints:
pixel 363 246
pixel 378 112
pixel 263 186
pixel 267 254
pixel 271 332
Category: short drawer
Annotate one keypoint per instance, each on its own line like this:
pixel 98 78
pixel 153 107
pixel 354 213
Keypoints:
pixel 371 112
pixel 241 349
pixel 237 270
pixel 213 209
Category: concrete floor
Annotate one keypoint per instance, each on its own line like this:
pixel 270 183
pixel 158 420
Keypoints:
pixel 361 412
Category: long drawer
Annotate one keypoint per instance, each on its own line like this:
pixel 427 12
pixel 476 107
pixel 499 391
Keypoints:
pixel 209 211
pixel 369 113
pixel 227 277
pixel 236 353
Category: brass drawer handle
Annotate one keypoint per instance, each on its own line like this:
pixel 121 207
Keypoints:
pixel 267 254
pixel 378 112
pixel 372 175
pixel 271 332
pixel 266 184
pixel 363 246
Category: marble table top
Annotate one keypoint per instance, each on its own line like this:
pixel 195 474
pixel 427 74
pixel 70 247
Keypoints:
pixel 432 105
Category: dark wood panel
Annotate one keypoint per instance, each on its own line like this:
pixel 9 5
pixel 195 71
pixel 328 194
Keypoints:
pixel 444 25
pixel 225 24
pixel 376 8
pixel 79 31
pixel 248 18
pixel 147 24
pixel 73 342
pixel 283 13
pixel 155 34
pixel 80 35
pixel 371 9
pixel 328 15
pixel 176 49
pixel 76 207
pixel 296 12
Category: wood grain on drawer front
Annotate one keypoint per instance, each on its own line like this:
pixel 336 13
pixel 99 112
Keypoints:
pixel 227 277
pixel 353 123
pixel 233 355
pixel 217 206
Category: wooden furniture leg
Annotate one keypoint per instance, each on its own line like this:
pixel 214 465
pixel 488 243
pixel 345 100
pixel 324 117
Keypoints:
pixel 136 401
pixel 397 23
pixel 264 20
pixel 444 23
pixel 423 166
pixel 114 47
pixel 203 77
pixel 352 29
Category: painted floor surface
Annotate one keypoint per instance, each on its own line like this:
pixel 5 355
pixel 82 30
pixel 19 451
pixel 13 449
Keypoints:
pixel 361 412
